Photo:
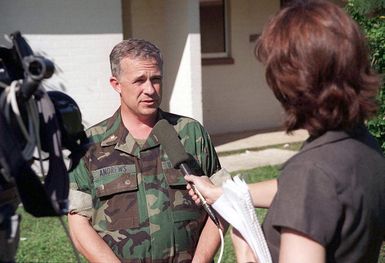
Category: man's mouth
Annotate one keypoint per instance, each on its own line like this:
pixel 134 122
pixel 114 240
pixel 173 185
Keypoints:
pixel 149 101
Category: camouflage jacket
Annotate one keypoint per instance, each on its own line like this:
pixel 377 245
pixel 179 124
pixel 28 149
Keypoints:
pixel 136 200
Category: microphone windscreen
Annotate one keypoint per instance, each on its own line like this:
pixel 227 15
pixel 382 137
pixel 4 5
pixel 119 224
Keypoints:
pixel 168 138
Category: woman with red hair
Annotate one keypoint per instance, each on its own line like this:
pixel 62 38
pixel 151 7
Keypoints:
pixel 328 204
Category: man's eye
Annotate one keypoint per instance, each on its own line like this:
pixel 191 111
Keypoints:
pixel 156 80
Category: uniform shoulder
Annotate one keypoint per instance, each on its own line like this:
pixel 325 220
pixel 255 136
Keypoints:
pixel 181 122
pixel 100 131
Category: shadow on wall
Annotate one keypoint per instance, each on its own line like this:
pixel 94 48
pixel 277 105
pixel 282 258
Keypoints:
pixel 168 24
pixel 182 89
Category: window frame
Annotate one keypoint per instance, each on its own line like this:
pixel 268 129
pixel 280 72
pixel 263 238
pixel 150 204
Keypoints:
pixel 213 58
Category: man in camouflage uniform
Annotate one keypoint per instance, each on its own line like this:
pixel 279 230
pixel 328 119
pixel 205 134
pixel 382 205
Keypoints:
pixel 127 202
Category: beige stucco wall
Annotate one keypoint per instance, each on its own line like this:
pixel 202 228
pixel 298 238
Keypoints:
pixel 231 97
pixel 236 97
pixel 174 26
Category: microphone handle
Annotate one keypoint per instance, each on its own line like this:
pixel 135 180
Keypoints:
pixel 186 171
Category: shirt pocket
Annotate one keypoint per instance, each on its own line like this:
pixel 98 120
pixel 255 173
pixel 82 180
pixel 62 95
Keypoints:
pixel 118 203
pixel 188 217
pixel 180 200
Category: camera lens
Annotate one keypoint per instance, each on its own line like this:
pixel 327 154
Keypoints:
pixel 38 67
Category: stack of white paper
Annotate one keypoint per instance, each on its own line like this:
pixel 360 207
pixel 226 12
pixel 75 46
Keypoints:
pixel 236 207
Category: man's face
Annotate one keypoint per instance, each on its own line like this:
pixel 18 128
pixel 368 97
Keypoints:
pixel 140 86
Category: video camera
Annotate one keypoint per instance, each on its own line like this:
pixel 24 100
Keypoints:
pixel 33 120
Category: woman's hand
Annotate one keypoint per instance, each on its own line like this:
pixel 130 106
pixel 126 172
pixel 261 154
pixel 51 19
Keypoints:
pixel 208 190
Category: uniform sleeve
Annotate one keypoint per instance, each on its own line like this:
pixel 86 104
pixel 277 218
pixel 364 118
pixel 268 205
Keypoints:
pixel 307 202
pixel 208 156
pixel 80 198
pixel 197 143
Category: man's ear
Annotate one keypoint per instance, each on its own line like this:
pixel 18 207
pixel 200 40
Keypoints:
pixel 115 84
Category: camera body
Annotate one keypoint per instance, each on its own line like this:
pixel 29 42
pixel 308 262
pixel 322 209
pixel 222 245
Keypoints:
pixel 54 120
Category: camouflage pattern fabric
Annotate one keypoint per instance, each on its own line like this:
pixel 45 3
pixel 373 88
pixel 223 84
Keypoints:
pixel 140 205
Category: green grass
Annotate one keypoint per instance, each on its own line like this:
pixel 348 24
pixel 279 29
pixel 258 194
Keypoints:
pixel 44 240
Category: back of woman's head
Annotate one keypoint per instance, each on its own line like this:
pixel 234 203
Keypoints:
pixel 318 68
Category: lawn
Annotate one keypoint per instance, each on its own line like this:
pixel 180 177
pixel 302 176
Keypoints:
pixel 44 240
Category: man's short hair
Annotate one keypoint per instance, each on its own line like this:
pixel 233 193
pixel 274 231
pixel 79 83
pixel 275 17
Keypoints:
pixel 135 49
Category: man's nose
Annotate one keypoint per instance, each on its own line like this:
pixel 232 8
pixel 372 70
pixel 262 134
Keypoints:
pixel 149 87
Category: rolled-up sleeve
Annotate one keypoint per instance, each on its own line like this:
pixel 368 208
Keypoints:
pixel 80 198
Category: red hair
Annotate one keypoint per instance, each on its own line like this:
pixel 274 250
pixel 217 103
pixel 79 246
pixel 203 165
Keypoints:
pixel 318 68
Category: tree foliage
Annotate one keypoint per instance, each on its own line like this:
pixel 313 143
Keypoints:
pixel 368 7
pixel 370 15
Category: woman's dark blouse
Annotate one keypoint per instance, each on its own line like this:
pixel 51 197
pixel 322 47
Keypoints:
pixel 333 191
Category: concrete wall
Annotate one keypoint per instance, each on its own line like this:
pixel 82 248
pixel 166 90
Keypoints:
pixel 230 97
pixel 174 26
pixel 77 36
pixel 236 97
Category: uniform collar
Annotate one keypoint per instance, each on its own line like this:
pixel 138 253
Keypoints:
pixel 123 140
pixel 113 129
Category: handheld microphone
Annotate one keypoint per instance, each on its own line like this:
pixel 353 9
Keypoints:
pixel 168 138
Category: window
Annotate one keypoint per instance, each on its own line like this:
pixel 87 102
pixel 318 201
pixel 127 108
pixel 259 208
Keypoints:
pixel 214 32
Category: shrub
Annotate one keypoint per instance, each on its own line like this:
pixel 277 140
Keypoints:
pixel 369 15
